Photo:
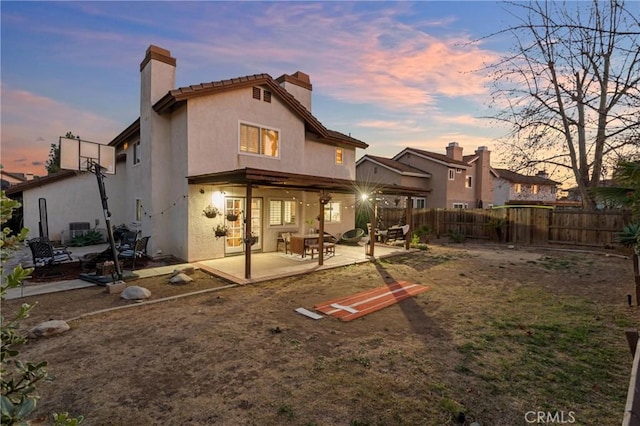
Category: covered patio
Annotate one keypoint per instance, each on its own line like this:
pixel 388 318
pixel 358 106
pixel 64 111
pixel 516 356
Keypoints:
pixel 263 265
pixel 272 265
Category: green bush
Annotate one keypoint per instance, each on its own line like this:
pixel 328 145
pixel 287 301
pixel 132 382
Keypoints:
pixel 89 239
pixel 18 379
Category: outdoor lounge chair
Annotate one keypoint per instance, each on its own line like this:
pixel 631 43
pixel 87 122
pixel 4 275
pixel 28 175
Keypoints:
pixel 352 236
pixel 46 256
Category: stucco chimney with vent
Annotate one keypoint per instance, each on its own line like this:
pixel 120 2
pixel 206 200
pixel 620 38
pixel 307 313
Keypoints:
pixel 484 180
pixel 297 84
pixel 28 176
pixel 157 76
pixel 543 174
pixel 454 151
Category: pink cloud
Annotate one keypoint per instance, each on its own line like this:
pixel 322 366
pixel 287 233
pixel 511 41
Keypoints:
pixel 31 123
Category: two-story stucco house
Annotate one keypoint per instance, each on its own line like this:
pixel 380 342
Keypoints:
pixel 515 188
pixel 247 145
pixel 452 180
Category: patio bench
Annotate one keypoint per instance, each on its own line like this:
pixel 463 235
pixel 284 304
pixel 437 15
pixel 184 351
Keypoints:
pixel 394 235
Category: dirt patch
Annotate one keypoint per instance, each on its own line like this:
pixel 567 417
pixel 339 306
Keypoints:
pixel 500 333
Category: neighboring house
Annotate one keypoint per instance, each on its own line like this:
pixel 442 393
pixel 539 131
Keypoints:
pixel 8 179
pixel 248 145
pixel 451 180
pixel 514 188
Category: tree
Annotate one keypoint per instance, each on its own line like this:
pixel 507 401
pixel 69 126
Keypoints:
pixel 53 163
pixel 571 89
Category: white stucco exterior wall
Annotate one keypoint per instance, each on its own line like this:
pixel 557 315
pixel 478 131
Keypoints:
pixel 74 199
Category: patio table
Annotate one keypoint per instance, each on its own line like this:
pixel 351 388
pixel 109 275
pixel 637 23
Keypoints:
pixel 300 242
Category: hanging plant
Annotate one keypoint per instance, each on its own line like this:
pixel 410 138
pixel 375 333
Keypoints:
pixel 220 231
pixel 232 216
pixel 210 211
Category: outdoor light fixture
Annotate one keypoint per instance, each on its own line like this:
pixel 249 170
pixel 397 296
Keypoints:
pixel 217 198
pixel 364 197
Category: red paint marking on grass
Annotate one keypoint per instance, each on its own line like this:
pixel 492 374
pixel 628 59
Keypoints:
pixel 371 300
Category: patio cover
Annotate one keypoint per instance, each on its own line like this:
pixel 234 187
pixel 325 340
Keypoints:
pixel 250 178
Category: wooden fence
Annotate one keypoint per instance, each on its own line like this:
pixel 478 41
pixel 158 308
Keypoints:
pixel 521 225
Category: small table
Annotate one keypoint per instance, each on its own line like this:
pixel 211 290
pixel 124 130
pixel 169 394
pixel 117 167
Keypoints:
pixel 299 243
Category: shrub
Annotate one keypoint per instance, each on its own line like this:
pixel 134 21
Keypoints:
pixel 18 379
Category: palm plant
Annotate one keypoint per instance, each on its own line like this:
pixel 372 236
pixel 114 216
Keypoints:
pixel 625 194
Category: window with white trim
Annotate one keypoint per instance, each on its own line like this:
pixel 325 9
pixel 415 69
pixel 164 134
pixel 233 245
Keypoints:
pixel 534 189
pixel 137 157
pixel 282 213
pixel 419 203
pixel 459 171
pixel 259 140
pixel 460 205
pixel 517 187
pixel 451 174
pixel 332 211
pixel 469 182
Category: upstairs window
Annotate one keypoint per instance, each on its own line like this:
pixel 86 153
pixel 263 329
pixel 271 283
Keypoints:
pixel 469 182
pixel 256 93
pixel 517 187
pixel 339 155
pixel 451 174
pixel 259 140
pixel 534 189
pixel 266 96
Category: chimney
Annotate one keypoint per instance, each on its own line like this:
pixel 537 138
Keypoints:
pixel 454 151
pixel 484 180
pixel 157 74
pixel 299 86
pixel 543 174
pixel 28 176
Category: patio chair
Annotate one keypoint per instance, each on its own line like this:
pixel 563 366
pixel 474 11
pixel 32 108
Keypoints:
pixel 46 256
pixel 285 237
pixel 139 250
pixel 127 240
pixel 352 236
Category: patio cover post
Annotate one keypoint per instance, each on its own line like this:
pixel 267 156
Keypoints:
pixel 372 230
pixel 247 233
pixel 407 238
pixel 321 231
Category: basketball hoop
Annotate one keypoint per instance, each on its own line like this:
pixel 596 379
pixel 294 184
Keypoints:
pixel 77 154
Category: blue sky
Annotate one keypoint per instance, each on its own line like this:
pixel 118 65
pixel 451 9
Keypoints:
pixel 392 74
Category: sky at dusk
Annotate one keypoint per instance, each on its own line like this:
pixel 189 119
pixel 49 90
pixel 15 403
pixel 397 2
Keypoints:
pixel 390 74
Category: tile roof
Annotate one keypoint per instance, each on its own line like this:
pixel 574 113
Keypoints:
pixel 518 178
pixel 396 165
pixel 438 157
pixel 176 97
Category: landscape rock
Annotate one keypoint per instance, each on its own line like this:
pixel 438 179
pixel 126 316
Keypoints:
pixel 180 279
pixel 49 328
pixel 135 293
pixel 185 269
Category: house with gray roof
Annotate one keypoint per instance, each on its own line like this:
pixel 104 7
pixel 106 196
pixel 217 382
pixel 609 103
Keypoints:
pixel 515 188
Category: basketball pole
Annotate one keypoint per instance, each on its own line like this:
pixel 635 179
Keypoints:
pixel 97 169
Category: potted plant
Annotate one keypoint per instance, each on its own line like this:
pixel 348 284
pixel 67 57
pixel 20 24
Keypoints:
pixel 210 211
pixel 220 231
pixel 310 223
pixel 232 216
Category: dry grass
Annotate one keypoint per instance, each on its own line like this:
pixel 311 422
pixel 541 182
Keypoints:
pixel 501 332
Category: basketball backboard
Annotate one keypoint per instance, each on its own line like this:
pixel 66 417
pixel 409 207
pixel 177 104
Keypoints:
pixel 76 154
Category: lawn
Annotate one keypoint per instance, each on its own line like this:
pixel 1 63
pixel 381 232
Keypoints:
pixel 502 332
